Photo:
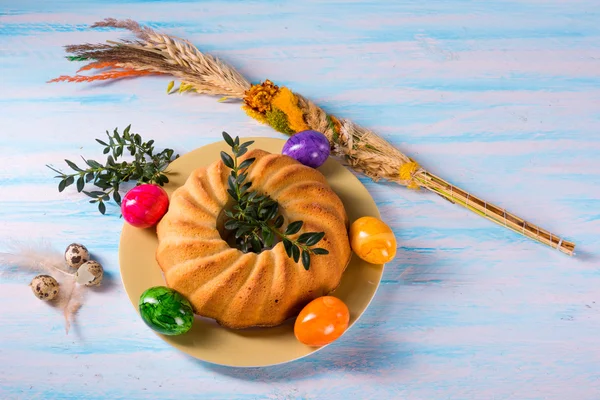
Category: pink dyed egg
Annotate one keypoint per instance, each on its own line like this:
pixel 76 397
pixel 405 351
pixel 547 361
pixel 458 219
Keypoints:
pixel 144 205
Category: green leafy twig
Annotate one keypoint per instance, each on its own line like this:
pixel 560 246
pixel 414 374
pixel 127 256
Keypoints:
pixel 254 219
pixel 146 167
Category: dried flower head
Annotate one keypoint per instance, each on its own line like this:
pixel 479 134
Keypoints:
pixel 278 121
pixel 259 96
pixel 407 173
pixel 287 102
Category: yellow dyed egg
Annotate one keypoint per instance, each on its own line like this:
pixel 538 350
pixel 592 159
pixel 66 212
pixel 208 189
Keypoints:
pixel 373 240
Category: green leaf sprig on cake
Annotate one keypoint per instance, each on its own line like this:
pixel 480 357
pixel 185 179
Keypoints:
pixel 254 218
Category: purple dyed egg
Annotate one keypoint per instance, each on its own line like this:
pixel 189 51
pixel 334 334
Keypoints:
pixel 311 148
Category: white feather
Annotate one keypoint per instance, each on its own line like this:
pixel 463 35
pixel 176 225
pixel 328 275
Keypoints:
pixel 70 300
pixel 40 256
pixel 35 256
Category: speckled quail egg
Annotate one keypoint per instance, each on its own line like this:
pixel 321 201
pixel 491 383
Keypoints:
pixel 44 287
pixel 90 274
pixel 76 254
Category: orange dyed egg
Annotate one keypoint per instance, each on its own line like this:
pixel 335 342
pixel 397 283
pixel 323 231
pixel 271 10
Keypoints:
pixel 322 321
pixel 372 240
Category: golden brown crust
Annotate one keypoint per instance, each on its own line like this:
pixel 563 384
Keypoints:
pixel 244 290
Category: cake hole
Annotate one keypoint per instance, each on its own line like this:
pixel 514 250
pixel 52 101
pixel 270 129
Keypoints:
pixel 229 236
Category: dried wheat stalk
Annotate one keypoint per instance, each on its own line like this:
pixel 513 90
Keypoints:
pixel 362 149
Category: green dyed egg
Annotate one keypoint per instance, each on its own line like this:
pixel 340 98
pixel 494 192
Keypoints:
pixel 166 311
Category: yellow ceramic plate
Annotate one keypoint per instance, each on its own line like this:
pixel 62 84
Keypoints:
pixel 250 347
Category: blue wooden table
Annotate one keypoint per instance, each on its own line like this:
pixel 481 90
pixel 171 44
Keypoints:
pixel 501 98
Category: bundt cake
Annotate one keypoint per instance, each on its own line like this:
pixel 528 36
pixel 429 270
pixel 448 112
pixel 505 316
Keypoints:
pixel 241 290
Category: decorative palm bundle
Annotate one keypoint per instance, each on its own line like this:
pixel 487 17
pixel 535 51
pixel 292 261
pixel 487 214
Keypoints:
pixel 283 110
